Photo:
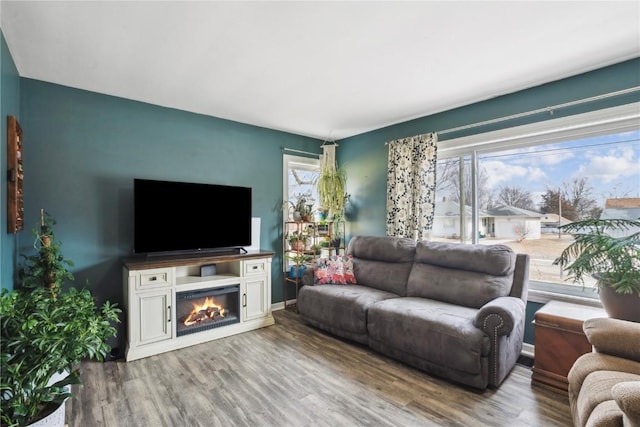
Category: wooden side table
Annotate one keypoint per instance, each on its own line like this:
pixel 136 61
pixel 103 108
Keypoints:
pixel 559 341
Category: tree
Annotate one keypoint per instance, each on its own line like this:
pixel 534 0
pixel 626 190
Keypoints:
pixel 575 196
pixel 551 204
pixel 579 192
pixel 516 197
pixel 448 182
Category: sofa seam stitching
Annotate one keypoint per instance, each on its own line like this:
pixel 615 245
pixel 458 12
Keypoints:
pixel 495 341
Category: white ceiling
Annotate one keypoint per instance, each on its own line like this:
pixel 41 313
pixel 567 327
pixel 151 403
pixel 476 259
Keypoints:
pixel 325 69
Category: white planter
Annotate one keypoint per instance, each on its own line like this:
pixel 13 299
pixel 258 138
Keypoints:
pixel 57 417
pixel 54 419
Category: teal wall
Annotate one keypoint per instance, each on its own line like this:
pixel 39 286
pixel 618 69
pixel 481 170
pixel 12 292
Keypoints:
pixel 9 106
pixel 83 150
pixel 364 157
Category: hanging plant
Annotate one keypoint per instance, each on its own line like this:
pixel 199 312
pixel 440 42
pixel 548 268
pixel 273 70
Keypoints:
pixel 331 190
pixel 331 183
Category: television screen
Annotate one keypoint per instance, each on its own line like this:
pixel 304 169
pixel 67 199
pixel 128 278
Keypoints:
pixel 190 217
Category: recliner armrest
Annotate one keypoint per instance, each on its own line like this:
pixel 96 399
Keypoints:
pixel 500 315
pixel 627 396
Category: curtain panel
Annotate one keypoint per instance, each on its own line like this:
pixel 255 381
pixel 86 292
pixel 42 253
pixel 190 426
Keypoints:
pixel 411 186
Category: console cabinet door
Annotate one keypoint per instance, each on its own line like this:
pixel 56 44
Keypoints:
pixel 255 298
pixel 155 316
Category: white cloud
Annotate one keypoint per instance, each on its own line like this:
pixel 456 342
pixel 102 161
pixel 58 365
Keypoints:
pixel 500 172
pixel 555 158
pixel 611 167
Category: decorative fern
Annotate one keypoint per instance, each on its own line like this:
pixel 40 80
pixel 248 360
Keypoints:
pixel 613 261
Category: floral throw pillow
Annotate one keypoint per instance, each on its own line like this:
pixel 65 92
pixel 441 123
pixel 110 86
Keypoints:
pixel 335 270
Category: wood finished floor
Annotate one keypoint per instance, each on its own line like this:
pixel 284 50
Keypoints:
pixel 290 374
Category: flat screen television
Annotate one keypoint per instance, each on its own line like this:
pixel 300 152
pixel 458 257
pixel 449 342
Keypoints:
pixel 188 217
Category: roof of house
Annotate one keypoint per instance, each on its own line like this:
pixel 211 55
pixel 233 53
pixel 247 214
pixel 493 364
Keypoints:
pixel 449 208
pixel 503 210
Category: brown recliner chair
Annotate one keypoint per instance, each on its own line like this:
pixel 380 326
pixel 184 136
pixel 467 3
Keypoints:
pixel 604 386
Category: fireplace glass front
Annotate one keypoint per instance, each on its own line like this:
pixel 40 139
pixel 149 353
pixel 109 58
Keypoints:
pixel 205 309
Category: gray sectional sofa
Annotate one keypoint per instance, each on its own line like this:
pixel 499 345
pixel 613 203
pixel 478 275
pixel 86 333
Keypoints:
pixel 456 311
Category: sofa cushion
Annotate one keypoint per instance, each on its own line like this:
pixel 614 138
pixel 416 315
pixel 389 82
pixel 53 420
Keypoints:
pixel 596 390
pixel 440 333
pixel 468 275
pixel 383 263
pixel 339 307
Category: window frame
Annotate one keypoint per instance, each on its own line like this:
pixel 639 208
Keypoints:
pixel 595 123
pixel 288 161
pixel 293 161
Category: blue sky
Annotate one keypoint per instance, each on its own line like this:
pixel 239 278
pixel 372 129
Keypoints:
pixel 611 163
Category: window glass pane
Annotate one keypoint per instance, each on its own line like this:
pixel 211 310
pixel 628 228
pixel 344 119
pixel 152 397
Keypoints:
pixel 452 192
pixel 300 175
pixel 526 193
pixel 303 182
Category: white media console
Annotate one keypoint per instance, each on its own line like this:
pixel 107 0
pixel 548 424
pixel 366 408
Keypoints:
pixel 157 291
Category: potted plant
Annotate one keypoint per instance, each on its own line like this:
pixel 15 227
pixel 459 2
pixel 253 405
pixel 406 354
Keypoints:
pixel 331 189
pixel 46 332
pixel 298 269
pixel 304 206
pixel 298 240
pixel 609 251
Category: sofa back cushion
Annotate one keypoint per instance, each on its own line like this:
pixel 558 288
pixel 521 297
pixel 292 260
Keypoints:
pixel 382 263
pixel 462 274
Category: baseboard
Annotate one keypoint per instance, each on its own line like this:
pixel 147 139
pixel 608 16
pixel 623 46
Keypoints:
pixel 527 350
pixel 277 306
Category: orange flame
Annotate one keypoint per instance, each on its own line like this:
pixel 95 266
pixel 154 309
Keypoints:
pixel 208 310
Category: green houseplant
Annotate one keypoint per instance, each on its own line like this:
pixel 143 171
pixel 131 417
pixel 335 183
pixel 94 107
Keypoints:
pixel 47 331
pixel 331 189
pixel 298 240
pixel 609 251
pixel 300 261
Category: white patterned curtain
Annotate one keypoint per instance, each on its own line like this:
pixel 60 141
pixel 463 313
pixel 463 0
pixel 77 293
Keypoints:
pixel 411 186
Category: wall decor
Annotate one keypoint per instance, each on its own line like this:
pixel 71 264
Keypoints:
pixel 15 178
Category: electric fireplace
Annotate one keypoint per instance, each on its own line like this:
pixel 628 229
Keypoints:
pixel 205 309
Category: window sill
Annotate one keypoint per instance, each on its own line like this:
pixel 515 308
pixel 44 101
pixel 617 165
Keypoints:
pixel 542 292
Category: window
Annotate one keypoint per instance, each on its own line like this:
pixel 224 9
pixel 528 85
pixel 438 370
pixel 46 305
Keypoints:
pixel 516 186
pixel 300 175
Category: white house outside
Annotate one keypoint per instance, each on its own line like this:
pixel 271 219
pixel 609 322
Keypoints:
pixel 500 222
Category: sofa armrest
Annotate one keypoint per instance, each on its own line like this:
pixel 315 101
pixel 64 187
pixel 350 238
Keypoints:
pixel 627 396
pixel 500 315
pixel 614 336
pixel 307 277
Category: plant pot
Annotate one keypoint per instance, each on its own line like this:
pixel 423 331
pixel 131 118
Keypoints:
pixel 297 272
pixel 297 245
pixel 57 417
pixel 620 306
pixel 54 419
